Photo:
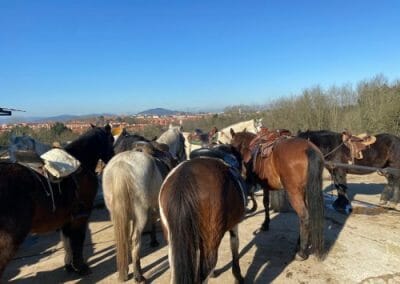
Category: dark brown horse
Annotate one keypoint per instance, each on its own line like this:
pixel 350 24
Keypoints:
pixel 293 164
pixel 26 200
pixel 200 200
pixel 385 152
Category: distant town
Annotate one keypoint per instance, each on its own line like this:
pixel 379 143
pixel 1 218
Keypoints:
pixel 134 123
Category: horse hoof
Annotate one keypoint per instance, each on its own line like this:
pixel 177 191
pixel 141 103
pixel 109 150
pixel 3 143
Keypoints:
pixel 81 270
pixel 139 279
pixel 300 257
pixel 382 202
pixel 154 244
pixel 240 280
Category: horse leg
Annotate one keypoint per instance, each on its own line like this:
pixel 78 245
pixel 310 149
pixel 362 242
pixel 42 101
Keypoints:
pixel 153 233
pixel 394 182
pixel 253 199
pixel 342 203
pixel 7 249
pixel 73 237
pixel 297 202
pixel 265 225
pixel 234 240
pixel 388 191
pixel 136 246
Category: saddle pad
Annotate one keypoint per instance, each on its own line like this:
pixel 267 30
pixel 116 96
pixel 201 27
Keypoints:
pixel 59 163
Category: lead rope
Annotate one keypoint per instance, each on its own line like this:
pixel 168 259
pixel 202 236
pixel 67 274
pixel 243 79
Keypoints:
pixel 334 149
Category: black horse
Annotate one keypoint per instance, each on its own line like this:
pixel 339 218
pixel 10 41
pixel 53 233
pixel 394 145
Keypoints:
pixel 126 141
pixel 385 152
pixel 29 204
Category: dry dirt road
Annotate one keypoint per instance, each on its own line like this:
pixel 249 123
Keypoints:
pixel 361 247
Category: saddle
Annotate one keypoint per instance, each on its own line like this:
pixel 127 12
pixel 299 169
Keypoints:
pixel 160 152
pixel 357 143
pixel 266 139
pixel 41 165
pixel 222 152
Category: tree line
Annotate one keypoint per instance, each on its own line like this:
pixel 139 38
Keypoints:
pixel 371 106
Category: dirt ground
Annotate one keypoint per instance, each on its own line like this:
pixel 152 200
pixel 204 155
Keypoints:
pixel 363 247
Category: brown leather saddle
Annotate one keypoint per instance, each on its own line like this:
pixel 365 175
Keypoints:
pixel 266 139
pixel 357 143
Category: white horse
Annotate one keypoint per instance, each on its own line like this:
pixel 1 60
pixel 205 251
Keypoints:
pixel 224 135
pixel 26 143
pixel 175 140
pixel 253 126
pixel 131 184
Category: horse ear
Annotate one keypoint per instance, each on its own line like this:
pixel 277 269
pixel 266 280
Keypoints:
pixel 107 128
pixel 232 132
pixel 154 138
pixel 245 130
pixel 92 125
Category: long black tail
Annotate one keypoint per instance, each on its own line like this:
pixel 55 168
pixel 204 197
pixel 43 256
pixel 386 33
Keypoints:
pixel 315 201
pixel 182 219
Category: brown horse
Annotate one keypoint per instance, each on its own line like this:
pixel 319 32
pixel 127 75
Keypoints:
pixel 26 203
pixel 293 164
pixel 199 201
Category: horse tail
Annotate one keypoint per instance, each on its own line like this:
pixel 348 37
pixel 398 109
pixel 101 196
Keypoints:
pixel 121 211
pixel 315 201
pixel 182 220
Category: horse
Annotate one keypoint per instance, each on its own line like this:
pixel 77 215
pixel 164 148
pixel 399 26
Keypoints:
pixel 124 141
pixel 293 164
pixel 199 139
pixel 199 201
pixel 385 152
pixel 25 143
pixel 131 183
pixel 29 204
pixel 175 141
pixel 253 125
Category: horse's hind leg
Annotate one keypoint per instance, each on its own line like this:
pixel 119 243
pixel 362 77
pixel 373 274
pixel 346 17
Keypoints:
pixel 234 240
pixel 153 233
pixel 253 200
pixel 139 222
pixel 297 202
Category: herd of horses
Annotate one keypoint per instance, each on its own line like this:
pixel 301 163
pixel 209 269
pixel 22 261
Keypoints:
pixel 199 195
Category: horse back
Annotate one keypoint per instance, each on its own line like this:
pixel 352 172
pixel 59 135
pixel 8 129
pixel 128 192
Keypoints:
pixel 288 163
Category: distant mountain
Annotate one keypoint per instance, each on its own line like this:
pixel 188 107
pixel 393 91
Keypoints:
pixel 160 112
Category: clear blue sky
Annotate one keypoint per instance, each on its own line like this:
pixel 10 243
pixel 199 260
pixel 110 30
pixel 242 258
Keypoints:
pixel 82 57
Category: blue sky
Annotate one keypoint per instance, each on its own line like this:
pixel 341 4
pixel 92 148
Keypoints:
pixel 81 57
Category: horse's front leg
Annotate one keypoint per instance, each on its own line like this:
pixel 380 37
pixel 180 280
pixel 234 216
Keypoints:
pixel 252 197
pixel 234 240
pixel 342 203
pixel 265 225
pixel 391 194
pixel 73 237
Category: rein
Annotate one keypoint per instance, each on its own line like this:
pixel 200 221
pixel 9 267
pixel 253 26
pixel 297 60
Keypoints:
pixel 334 149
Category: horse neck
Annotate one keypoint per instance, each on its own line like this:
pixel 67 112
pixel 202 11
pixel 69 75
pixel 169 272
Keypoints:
pixel 85 152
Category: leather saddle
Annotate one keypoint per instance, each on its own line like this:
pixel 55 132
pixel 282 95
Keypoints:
pixel 266 139
pixel 357 143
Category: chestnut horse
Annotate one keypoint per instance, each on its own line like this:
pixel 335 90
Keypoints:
pixel 296 165
pixel 200 200
pixel 26 204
